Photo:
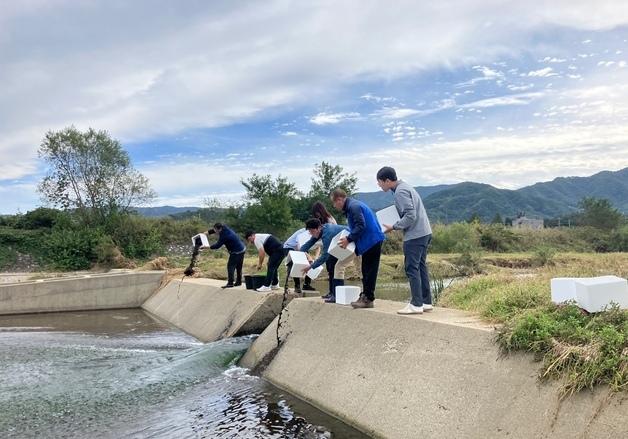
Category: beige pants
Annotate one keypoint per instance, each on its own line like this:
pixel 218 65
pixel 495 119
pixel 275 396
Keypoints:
pixel 341 266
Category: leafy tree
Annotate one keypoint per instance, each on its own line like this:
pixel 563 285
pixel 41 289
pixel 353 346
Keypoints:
pixel 269 205
pixel 90 172
pixel 599 213
pixel 328 177
pixel 474 219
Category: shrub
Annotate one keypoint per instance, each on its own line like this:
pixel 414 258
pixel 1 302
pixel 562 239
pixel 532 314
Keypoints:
pixel 71 249
pixel 454 237
pixel 543 255
pixel 497 238
pixel 135 236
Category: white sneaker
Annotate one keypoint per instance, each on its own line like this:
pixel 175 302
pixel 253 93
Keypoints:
pixel 427 307
pixel 274 287
pixel 411 309
pixel 263 289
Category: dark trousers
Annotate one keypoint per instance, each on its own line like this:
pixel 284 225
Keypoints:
pixel 330 265
pixel 370 268
pixel 415 254
pixel 234 264
pixel 274 261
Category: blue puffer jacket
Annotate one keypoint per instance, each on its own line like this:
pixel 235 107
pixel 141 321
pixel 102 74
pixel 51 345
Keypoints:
pixel 229 239
pixel 364 229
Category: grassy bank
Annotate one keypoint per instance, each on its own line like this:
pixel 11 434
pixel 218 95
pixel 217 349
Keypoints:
pixel 581 349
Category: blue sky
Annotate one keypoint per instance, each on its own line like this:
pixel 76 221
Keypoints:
pixel 203 94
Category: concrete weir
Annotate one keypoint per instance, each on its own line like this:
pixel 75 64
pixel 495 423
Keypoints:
pixel 439 375
pixel 204 310
pixel 80 293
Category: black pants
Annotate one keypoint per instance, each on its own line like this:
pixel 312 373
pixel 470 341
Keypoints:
pixel 330 265
pixel 297 280
pixel 234 264
pixel 274 261
pixel 370 268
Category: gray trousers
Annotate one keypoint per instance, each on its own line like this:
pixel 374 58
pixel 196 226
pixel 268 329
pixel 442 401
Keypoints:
pixel 415 254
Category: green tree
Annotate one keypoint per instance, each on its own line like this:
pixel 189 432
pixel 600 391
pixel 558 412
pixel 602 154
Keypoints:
pixel 599 213
pixel 269 205
pixel 328 177
pixel 91 173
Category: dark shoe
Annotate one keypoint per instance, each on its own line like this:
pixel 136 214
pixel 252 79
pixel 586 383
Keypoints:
pixel 309 288
pixel 331 299
pixel 237 284
pixel 298 291
pixel 362 302
pixel 227 286
pixel 326 296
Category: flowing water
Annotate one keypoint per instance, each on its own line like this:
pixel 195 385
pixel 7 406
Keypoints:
pixel 121 374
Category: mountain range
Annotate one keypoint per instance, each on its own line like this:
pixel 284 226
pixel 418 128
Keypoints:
pixel 458 202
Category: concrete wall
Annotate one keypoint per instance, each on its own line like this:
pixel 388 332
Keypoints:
pixel 204 310
pixel 87 292
pixel 439 375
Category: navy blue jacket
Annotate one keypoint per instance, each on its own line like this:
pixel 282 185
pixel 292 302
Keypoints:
pixel 230 240
pixel 364 229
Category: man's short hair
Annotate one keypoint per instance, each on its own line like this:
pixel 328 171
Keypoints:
pixel 312 223
pixel 387 173
pixel 218 226
pixel 338 193
pixel 248 234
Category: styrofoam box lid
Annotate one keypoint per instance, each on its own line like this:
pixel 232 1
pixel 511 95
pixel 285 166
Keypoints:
pixel 203 237
pixel 388 216
pixel 297 257
pixel 304 237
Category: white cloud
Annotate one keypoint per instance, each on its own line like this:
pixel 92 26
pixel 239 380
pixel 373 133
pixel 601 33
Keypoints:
pixel 289 133
pixel 333 118
pixel 396 113
pixel 547 71
pixel 517 99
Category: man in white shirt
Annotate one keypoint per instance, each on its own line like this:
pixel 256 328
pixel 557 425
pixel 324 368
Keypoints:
pixel 267 244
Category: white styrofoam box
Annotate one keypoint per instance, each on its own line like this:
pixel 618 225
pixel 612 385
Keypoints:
pixel 314 272
pixel 595 293
pixel 338 252
pixel 347 294
pixel 563 289
pixel 299 262
pixel 203 237
pixel 388 216
pixel 304 237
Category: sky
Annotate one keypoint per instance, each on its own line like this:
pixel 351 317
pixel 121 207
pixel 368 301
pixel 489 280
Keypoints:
pixel 203 94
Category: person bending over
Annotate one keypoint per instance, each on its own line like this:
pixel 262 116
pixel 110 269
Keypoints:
pixel 236 249
pixel 267 244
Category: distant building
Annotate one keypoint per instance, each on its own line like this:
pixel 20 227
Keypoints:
pixel 527 223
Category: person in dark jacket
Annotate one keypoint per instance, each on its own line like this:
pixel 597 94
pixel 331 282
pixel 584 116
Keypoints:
pixel 236 249
pixel 365 231
pixel 267 244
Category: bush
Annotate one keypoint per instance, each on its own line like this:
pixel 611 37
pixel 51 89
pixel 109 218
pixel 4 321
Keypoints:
pixel 8 256
pixel 71 249
pixel 497 238
pixel 619 240
pixel 543 255
pixel 454 238
pixel 135 236
pixel 41 217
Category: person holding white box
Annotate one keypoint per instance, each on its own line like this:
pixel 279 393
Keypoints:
pixel 291 244
pixel 267 244
pixel 324 233
pixel 236 249
pixel 367 234
pixel 417 234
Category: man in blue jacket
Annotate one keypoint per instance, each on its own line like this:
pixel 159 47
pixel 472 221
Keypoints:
pixel 236 249
pixel 324 233
pixel 367 234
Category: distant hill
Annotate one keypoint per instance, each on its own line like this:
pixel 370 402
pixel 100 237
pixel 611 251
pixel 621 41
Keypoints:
pixel 381 199
pixel 164 210
pixel 458 202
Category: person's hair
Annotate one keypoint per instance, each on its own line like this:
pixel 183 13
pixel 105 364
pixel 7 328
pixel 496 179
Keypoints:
pixel 338 193
pixel 387 173
pixel 319 211
pixel 218 226
pixel 248 234
pixel 312 223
